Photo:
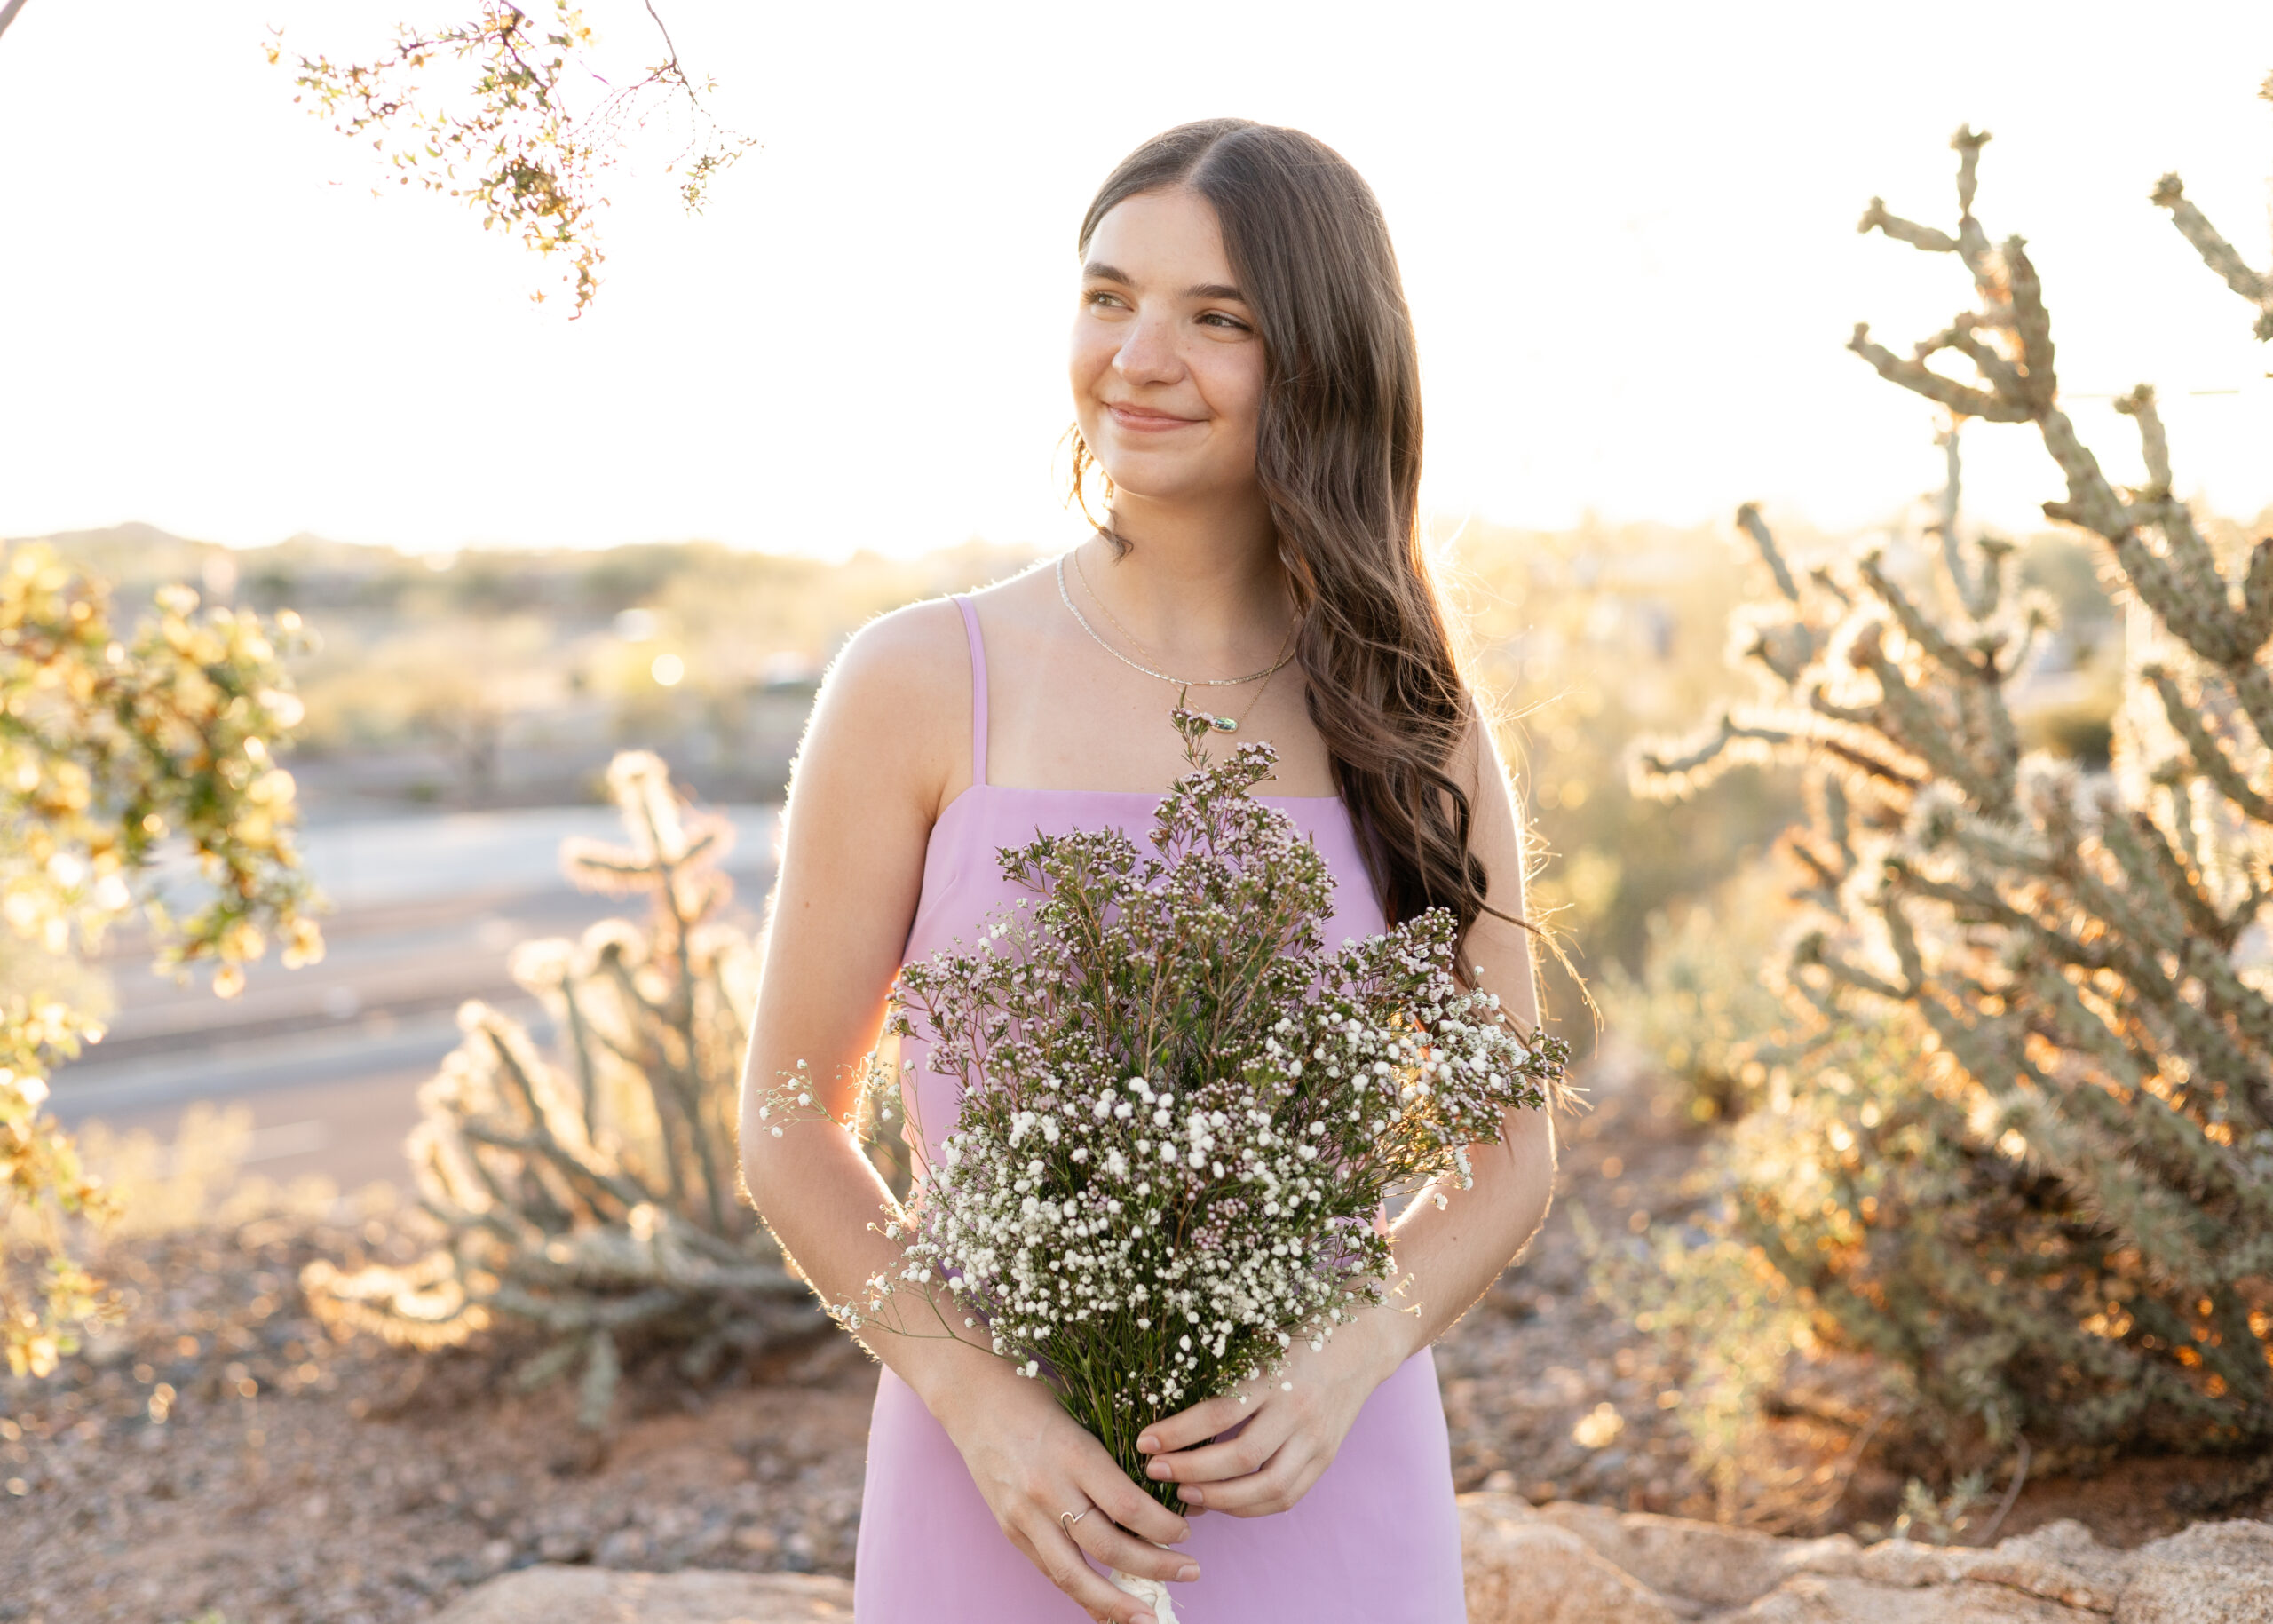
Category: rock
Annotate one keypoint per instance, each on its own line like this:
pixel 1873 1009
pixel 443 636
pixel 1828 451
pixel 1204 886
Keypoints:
pixel 1704 1562
pixel 1524 1569
pixel 2060 1562
pixel 1905 1565
pixel 1817 1598
pixel 2221 1571
pixel 547 1594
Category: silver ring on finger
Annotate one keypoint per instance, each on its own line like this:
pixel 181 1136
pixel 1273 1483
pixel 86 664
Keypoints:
pixel 1066 1519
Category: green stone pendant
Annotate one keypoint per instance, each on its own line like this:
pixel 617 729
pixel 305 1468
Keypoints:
pixel 1223 724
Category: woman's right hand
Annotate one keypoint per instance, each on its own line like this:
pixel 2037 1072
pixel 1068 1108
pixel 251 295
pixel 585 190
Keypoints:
pixel 1031 1462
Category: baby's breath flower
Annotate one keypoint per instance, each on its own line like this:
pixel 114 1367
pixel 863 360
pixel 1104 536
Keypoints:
pixel 1165 1163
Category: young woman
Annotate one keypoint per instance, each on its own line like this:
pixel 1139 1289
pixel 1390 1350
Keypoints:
pixel 1244 378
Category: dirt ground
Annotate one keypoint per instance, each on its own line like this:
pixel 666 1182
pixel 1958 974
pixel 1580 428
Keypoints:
pixel 218 1458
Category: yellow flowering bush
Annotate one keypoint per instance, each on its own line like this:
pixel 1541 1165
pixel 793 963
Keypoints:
pixel 137 776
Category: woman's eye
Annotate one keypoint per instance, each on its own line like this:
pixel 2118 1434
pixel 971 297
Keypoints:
pixel 1098 297
pixel 1216 318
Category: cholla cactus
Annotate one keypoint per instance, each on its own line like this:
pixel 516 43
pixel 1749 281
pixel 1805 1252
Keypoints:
pixel 2082 1251
pixel 597 1198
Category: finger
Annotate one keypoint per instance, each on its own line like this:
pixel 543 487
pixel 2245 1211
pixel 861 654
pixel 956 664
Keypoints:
pixel 1273 1489
pixel 1234 1457
pixel 1062 1563
pixel 1122 1501
pixel 1196 1425
pixel 1117 1548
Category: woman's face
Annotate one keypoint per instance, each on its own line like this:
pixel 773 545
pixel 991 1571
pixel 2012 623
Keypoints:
pixel 1167 361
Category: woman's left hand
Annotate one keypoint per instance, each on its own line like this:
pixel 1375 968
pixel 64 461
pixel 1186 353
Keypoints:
pixel 1294 1424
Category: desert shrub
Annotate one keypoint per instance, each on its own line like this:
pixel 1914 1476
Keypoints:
pixel 595 1198
pixel 1700 1009
pixel 2026 1154
pixel 129 756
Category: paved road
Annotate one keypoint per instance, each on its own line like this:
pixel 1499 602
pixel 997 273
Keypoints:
pixel 330 1057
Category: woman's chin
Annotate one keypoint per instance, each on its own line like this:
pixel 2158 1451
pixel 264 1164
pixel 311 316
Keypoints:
pixel 1158 482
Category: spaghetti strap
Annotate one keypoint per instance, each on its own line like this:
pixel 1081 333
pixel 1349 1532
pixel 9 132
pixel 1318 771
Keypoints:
pixel 978 689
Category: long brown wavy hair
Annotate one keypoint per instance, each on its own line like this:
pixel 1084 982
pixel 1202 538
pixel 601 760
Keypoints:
pixel 1338 454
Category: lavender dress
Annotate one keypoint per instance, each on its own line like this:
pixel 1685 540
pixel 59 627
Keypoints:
pixel 1376 1540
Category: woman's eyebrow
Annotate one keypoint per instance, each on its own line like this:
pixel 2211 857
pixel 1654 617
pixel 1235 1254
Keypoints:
pixel 1095 272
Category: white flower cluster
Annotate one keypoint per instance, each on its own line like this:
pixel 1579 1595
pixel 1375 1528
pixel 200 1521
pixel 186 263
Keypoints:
pixel 1179 1116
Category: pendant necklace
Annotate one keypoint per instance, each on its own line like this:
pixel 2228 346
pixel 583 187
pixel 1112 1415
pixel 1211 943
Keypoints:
pixel 1221 724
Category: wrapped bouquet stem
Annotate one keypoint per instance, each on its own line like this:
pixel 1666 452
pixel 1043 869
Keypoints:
pixel 1180 1114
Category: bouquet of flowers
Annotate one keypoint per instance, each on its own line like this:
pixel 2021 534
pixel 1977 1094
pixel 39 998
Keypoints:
pixel 1180 1116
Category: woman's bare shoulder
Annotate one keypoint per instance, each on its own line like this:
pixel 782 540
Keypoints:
pixel 894 706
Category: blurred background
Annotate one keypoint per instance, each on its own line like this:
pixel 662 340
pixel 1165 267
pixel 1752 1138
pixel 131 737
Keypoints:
pixel 238 356
pixel 1829 1275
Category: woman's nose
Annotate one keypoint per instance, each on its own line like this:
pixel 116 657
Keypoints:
pixel 1148 355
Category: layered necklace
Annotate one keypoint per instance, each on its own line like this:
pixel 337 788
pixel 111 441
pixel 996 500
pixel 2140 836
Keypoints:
pixel 1221 724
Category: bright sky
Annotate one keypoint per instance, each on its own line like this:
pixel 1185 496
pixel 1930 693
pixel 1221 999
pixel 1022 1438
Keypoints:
pixel 1628 231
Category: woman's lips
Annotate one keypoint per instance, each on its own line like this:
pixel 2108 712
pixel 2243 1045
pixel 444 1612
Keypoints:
pixel 1142 421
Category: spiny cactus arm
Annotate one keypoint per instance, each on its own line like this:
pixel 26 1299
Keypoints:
pixel 638 1049
pixel 1817 951
pixel 688 898
pixel 423 1306
pixel 2176 879
pixel 2007 382
pixel 1926 239
pixel 1963 663
pixel 607 1259
pixel 2177 1027
pixel 580 1046
pixel 544 1368
pixel 1748 517
pixel 1920 379
pixel 1947 506
pixel 1902 936
pixel 2185 590
pixel 2181 926
pixel 2144 1126
pixel 1972 241
pixel 2257 593
pixel 550 1196
pixel 1989 722
pixel 1991 580
pixel 2253 689
pixel 596 1392
pixel 565 1313
pixel 2062 1016
pixel 607 1196
pixel 2163 1218
pixel 731 1251
pixel 1827 879
pixel 2220 255
pixel 1671 768
pixel 2194 609
pixel 2227 996
pixel 515 1059
pixel 1908 721
pixel 2039 383
pixel 2154 444
pixel 2225 638
pixel 594 865
pixel 498 1209
pixel 2091 503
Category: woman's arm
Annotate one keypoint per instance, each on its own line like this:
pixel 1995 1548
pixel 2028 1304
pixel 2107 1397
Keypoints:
pixel 1447 1258
pixel 885 749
